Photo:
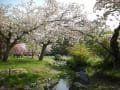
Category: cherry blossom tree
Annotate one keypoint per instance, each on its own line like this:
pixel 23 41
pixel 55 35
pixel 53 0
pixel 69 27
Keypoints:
pixel 16 22
pixel 19 49
pixel 45 23
pixel 56 18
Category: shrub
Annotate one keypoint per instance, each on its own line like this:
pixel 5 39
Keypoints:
pixel 20 80
pixel 79 52
pixel 71 63
pixel 95 65
pixel 60 47
pixel 57 57
pixel 99 49
pixel 108 64
pixel 95 61
pixel 80 55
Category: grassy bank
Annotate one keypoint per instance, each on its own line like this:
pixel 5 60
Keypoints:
pixel 21 71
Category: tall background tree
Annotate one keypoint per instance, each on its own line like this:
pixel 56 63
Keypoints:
pixel 112 9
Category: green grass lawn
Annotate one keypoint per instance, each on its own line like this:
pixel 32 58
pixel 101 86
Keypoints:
pixel 32 65
pixel 33 68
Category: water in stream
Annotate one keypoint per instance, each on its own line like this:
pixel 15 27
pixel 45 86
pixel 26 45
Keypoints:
pixel 63 84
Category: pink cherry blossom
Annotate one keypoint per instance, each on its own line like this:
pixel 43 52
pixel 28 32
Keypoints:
pixel 20 48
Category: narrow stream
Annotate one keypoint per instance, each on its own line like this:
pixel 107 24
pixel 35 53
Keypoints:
pixel 63 84
pixel 67 84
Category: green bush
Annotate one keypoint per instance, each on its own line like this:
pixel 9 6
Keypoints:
pixel 60 47
pixel 100 49
pixel 108 64
pixel 58 57
pixel 80 55
pixel 19 80
pixel 95 61
pixel 71 63
pixel 80 52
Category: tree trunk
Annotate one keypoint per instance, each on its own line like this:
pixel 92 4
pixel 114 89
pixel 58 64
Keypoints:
pixel 115 47
pixel 1 48
pixel 43 51
pixel 0 52
pixel 6 54
pixel 8 47
pixel 32 54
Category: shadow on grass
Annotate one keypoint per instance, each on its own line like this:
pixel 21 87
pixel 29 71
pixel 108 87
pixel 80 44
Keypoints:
pixel 109 78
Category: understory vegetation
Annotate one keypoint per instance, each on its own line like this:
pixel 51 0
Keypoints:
pixel 93 59
pixel 18 72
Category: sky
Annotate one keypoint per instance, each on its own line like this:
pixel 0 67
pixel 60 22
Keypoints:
pixel 88 4
pixel 9 1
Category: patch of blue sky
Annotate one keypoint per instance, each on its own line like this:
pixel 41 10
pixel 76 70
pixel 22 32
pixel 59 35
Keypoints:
pixel 15 2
